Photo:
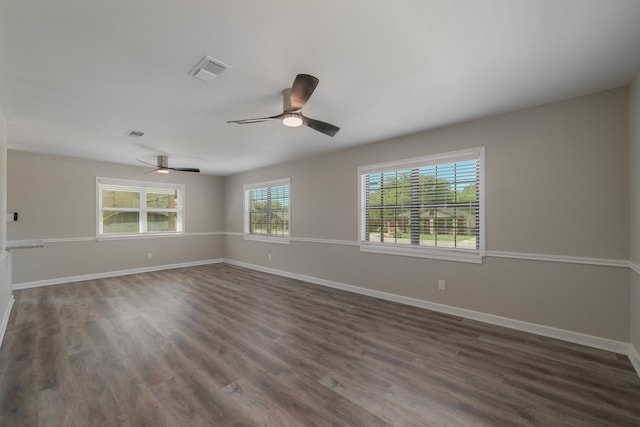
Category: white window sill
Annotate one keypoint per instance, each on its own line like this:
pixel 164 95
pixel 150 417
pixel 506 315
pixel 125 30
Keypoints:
pixel 267 239
pixel 444 254
pixel 138 236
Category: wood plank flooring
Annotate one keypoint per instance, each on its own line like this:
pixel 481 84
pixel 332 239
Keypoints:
pixel 224 346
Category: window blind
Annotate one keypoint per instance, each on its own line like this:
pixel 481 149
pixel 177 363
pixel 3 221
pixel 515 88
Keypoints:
pixel 267 209
pixel 424 204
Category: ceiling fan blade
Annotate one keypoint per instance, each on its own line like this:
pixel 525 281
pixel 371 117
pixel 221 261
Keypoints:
pixel 147 163
pixel 186 169
pixel 258 120
pixel 303 87
pixel 326 128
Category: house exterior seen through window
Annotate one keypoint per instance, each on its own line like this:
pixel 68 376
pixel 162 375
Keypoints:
pixel 266 211
pixel 136 208
pixel 429 207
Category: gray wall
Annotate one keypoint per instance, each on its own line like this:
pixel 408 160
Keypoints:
pixel 5 260
pixel 556 185
pixel 55 198
pixel 634 179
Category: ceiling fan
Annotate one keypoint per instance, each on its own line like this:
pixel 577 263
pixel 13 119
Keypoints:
pixel 294 99
pixel 162 166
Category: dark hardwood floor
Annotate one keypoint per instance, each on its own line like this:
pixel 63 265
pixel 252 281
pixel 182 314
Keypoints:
pixel 225 346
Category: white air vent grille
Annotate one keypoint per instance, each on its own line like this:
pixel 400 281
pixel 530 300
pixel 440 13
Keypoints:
pixel 208 69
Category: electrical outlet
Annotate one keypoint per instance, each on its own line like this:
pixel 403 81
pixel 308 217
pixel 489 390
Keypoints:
pixel 149 255
pixel 441 285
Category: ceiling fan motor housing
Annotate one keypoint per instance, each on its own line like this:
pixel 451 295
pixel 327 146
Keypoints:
pixel 163 161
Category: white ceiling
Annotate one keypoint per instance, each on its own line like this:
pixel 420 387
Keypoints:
pixel 75 75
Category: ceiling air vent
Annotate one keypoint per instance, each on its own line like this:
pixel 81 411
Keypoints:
pixel 208 69
pixel 134 133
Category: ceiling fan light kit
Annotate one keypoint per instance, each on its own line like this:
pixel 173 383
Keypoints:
pixel 294 99
pixel 292 120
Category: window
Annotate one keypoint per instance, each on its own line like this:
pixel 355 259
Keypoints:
pixel 266 211
pixel 428 207
pixel 135 208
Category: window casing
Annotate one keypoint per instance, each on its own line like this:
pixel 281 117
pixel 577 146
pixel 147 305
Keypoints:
pixel 127 208
pixel 428 207
pixel 267 211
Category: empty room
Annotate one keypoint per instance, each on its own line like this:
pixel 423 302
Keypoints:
pixel 287 213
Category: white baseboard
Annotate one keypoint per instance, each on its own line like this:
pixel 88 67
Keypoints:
pixel 547 331
pixel 634 357
pixel 106 274
pixel 5 319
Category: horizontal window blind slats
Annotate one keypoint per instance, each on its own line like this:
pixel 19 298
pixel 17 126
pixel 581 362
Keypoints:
pixel 436 204
pixel 267 210
pixel 122 188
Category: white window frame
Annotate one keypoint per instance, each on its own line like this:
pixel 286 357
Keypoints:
pixel 247 188
pixel 439 253
pixel 143 185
